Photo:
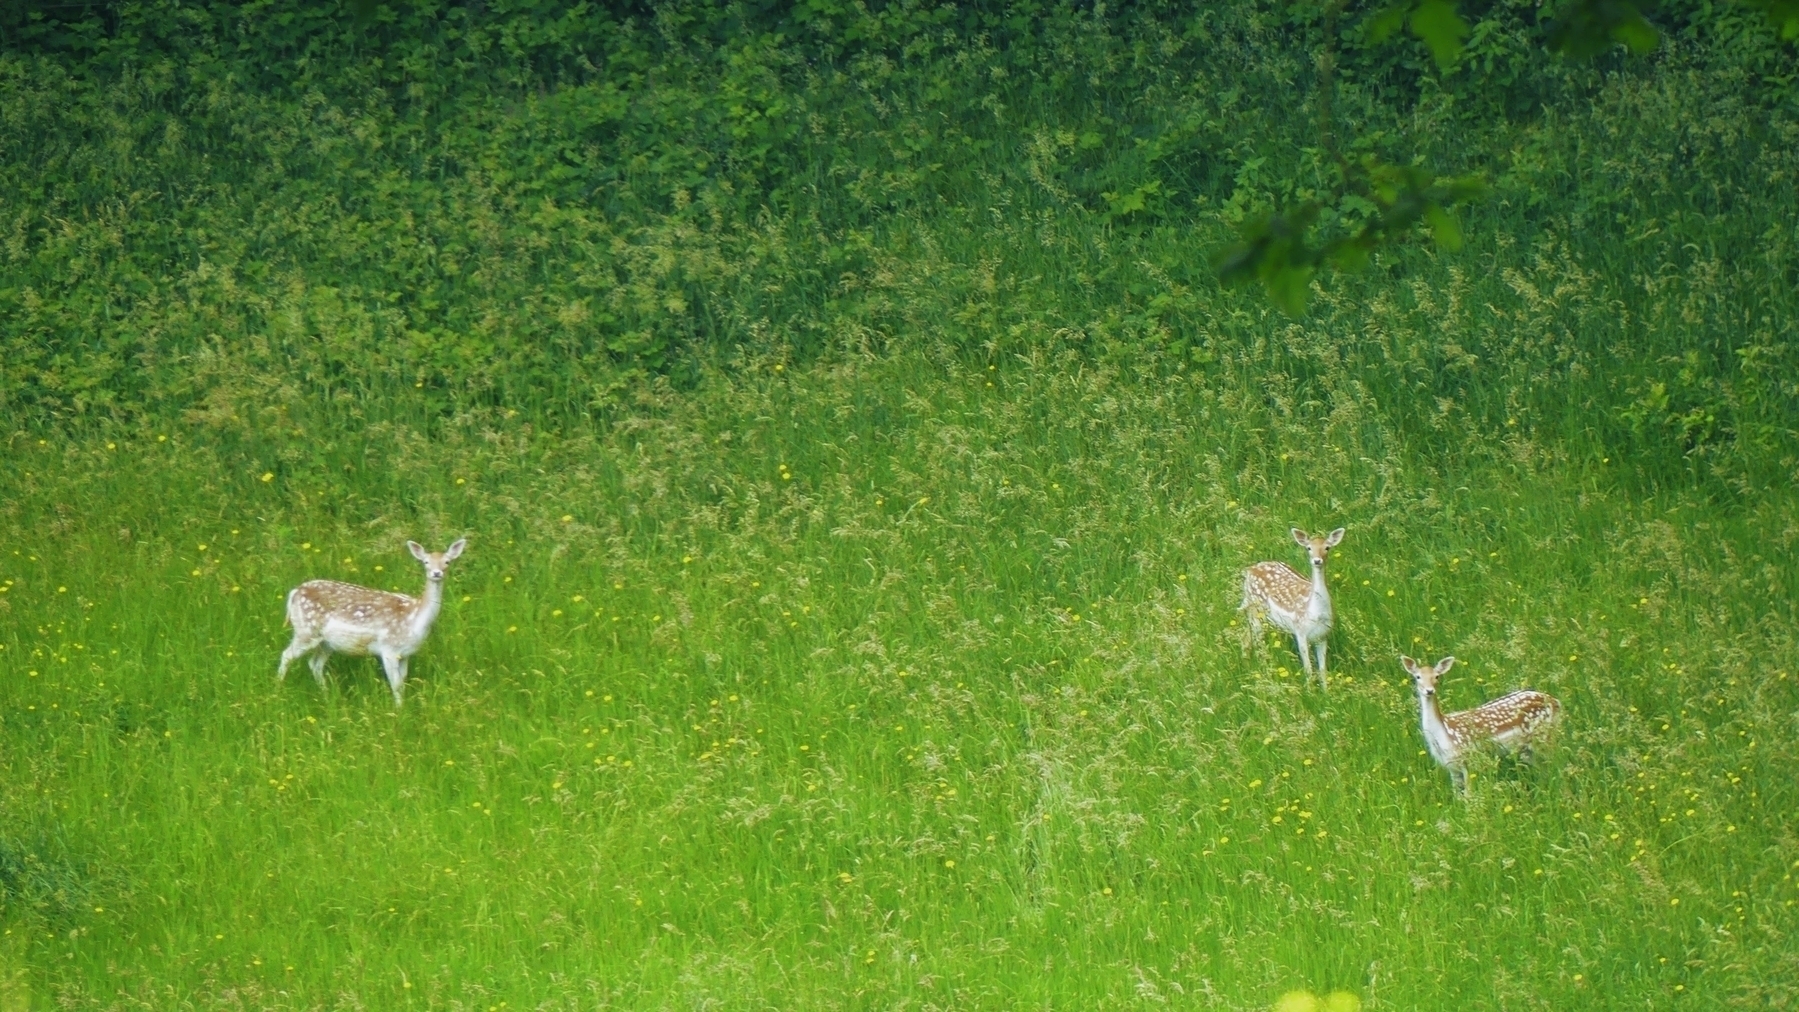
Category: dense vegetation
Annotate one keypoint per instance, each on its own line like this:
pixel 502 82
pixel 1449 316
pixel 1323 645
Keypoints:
pixel 859 457
pixel 229 210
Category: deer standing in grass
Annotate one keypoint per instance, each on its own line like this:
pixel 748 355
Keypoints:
pixel 1292 602
pixel 1511 722
pixel 331 616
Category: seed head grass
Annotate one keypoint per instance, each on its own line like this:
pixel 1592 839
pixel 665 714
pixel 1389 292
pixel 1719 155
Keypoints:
pixel 961 711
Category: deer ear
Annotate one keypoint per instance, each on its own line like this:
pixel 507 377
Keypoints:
pixel 1444 665
pixel 1407 663
pixel 1335 538
pixel 454 550
pixel 1300 536
pixel 417 550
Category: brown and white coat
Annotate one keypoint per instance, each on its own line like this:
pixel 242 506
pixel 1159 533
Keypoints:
pixel 1512 722
pixel 1301 606
pixel 329 616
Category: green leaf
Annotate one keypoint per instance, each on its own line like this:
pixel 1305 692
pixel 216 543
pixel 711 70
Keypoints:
pixel 1381 25
pixel 1441 29
pixel 1289 287
pixel 1350 257
pixel 1782 14
pixel 1637 34
pixel 1444 228
pixel 1586 28
pixel 1272 249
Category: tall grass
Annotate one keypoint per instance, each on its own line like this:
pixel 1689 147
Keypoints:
pixel 872 684
pixel 859 463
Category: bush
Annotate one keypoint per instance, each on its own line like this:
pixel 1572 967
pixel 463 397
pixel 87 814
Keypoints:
pixel 240 213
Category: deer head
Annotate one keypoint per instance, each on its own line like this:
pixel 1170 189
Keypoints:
pixel 436 562
pixel 1318 548
pixel 1425 676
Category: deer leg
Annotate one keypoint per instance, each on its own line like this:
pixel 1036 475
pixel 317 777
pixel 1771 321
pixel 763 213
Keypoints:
pixel 1459 776
pixel 1305 654
pixel 294 652
pixel 1321 685
pixel 317 663
pixel 396 675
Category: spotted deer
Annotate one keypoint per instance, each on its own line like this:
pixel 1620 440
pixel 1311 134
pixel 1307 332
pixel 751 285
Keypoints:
pixel 359 621
pixel 1512 722
pixel 1302 607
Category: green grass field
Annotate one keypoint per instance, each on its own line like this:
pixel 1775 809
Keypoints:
pixel 896 683
pixel 859 457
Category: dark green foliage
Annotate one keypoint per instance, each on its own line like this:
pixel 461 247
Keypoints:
pixel 1585 28
pixel 254 217
pixel 1275 252
pixel 1783 14
pixel 1436 23
pixel 1377 203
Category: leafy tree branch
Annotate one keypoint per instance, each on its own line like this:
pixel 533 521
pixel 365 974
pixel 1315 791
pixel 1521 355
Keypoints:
pixel 1373 203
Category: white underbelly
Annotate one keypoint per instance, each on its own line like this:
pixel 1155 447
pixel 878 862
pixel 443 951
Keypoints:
pixel 1308 624
pixel 1510 740
pixel 345 638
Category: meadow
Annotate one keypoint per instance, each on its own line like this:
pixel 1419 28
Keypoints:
pixel 849 613
pixel 888 683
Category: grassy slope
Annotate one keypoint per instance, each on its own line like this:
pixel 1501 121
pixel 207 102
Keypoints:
pixel 691 729
pixel 1564 455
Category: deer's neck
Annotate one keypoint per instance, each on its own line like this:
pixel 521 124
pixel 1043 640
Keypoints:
pixel 1436 729
pixel 1321 595
pixel 430 602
